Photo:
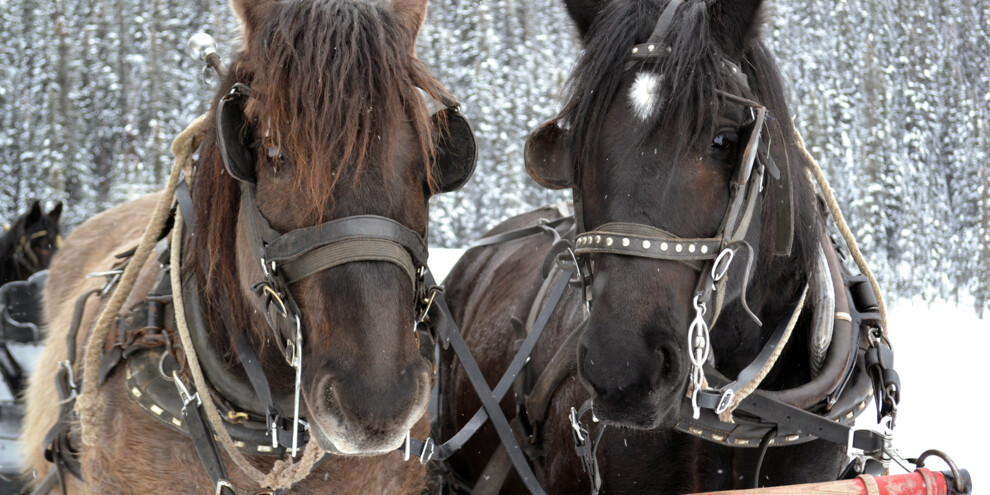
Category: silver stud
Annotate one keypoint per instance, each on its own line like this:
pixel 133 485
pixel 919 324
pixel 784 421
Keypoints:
pixel 663 246
pixel 691 248
pixel 598 239
pixel 651 47
pixel 668 49
pixel 678 247
pixel 646 244
pixel 718 438
pixel 635 50
pixel 625 241
pixel 704 249
pixel 793 438
pixel 608 241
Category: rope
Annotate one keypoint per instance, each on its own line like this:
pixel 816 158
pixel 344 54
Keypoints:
pixel 840 222
pixel 89 405
pixel 284 474
pixel 726 415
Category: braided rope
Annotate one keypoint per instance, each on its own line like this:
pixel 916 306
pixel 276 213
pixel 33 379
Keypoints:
pixel 89 404
pixel 737 398
pixel 284 474
pixel 840 222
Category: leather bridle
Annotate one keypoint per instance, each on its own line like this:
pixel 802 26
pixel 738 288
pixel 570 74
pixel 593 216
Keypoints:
pixel 286 258
pixel 710 256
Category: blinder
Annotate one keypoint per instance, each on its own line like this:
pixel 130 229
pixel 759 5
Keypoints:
pixel 456 152
pixel 238 159
pixel 548 161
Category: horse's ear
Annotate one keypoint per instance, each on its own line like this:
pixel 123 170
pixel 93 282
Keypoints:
pixel 737 23
pixel 252 13
pixel 56 212
pixel 35 214
pixel 583 13
pixel 548 159
pixel 411 14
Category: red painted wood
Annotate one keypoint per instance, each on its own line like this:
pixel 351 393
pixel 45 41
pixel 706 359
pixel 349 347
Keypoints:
pixel 916 483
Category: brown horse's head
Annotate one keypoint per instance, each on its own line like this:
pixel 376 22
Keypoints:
pixel 339 124
pixel 654 141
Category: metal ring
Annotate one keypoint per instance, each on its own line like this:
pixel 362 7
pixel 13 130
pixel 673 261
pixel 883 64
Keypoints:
pixel 725 400
pixel 718 270
pixel 948 460
pixel 274 295
pixel 161 366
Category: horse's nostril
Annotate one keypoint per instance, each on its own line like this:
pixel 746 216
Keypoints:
pixel 664 356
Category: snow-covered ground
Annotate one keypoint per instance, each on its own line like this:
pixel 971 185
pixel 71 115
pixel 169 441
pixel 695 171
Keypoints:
pixel 939 353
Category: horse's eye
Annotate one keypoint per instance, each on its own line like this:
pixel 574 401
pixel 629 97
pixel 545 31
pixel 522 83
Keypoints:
pixel 724 141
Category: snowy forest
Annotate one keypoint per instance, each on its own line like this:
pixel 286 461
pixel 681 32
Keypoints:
pixel 891 96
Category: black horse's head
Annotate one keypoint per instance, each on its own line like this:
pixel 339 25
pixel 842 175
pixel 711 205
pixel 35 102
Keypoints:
pixel 330 119
pixel 32 241
pixel 664 142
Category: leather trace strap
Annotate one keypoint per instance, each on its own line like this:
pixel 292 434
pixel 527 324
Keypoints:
pixel 448 334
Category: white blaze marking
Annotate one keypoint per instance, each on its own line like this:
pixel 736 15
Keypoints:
pixel 643 94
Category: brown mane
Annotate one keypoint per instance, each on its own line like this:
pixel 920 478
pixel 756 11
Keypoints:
pixel 333 79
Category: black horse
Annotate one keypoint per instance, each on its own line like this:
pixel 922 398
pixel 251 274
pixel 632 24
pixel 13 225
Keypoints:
pixel 693 210
pixel 30 243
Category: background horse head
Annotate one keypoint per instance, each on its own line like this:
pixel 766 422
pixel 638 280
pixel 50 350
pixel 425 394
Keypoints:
pixel 658 142
pixel 28 246
pixel 337 125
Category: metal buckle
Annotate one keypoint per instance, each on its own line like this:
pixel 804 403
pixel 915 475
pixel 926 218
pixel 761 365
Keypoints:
pixel 72 382
pixel 236 417
pixel 297 364
pixel 274 295
pixel 430 445
pixel 436 289
pixel 724 402
pixel 221 484
pixel 580 432
pixel 184 392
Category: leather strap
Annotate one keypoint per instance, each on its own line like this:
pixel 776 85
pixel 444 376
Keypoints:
pixel 348 251
pixel 504 384
pixel 651 48
pixel 489 399
pixel 206 447
pixel 293 245
pixel 520 233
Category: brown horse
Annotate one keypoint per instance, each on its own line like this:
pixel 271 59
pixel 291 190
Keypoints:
pixel 657 141
pixel 335 126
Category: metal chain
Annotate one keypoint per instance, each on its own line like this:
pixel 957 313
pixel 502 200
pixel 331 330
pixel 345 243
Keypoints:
pixel 699 349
